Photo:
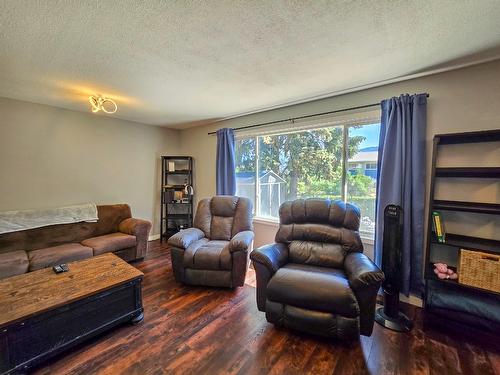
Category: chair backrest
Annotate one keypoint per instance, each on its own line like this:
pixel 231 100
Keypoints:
pixel 319 231
pixel 223 216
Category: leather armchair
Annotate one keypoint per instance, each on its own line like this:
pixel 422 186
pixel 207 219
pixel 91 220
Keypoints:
pixel 315 277
pixel 215 251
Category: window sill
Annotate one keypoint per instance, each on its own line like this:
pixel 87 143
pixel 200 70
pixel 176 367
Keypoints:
pixel 275 223
pixel 266 221
pixel 368 240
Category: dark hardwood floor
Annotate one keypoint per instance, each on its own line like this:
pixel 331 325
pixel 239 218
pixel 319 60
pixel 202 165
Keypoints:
pixel 195 330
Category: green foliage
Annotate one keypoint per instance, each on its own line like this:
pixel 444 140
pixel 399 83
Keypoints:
pixel 245 155
pixel 360 185
pixel 321 188
pixel 310 162
pixel 305 158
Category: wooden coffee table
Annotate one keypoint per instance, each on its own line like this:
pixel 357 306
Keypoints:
pixel 43 313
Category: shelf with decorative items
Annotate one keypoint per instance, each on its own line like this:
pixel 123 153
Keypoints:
pixel 177 194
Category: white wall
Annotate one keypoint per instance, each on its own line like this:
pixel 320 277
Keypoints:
pixel 51 157
pixel 462 100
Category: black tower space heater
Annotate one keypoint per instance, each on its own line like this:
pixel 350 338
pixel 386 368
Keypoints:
pixel 389 316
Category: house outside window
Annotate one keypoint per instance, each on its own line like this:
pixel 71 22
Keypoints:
pixel 364 162
pixel 336 162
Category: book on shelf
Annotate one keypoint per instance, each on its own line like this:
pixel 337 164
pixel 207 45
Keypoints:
pixel 438 226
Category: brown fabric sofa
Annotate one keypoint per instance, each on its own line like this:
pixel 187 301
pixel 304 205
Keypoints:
pixel 215 251
pixel 115 231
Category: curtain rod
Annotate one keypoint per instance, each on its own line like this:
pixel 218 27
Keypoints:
pixel 292 119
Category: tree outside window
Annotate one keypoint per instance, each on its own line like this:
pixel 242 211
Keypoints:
pixel 309 164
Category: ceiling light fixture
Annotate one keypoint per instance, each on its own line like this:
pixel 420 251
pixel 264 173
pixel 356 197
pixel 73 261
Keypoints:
pixel 101 103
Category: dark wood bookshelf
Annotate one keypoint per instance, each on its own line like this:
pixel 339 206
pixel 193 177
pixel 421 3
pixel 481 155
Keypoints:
pixel 475 207
pixel 470 303
pixel 175 214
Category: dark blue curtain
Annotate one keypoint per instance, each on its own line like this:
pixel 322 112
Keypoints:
pixel 226 175
pixel 401 180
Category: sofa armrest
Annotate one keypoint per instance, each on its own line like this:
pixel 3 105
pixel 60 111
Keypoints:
pixel 365 279
pixel 134 226
pixel 140 229
pixel 241 241
pixel 272 256
pixel 185 237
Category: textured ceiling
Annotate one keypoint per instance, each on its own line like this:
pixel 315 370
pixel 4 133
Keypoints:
pixel 174 62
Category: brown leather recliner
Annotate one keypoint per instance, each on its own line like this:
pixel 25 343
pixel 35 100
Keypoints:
pixel 315 278
pixel 215 251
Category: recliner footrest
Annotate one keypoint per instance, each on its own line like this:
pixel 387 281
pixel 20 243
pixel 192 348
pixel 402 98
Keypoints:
pixel 310 321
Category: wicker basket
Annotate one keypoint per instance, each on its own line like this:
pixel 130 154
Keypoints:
pixel 481 270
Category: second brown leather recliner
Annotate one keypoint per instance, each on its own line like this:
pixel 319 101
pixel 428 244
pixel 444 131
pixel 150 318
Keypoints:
pixel 215 251
pixel 315 277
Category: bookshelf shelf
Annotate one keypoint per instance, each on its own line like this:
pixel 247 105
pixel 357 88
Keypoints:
pixel 173 187
pixel 174 216
pixel 475 207
pixel 454 283
pixel 469 172
pixel 178 172
pixel 469 137
pixel 472 243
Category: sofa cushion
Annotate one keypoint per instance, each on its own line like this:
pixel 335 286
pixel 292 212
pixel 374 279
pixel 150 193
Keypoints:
pixel 315 288
pixel 208 255
pixel 110 242
pixel 51 256
pixel 13 263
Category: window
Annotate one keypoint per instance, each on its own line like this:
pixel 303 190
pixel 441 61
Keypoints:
pixel 362 186
pixel 274 168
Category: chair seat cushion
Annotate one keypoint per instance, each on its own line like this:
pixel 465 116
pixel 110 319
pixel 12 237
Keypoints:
pixel 13 263
pixel 51 256
pixel 315 288
pixel 110 242
pixel 208 255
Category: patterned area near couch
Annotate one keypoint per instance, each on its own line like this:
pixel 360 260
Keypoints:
pixel 115 231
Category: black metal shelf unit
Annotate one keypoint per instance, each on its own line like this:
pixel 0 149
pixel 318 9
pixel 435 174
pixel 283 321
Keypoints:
pixel 448 300
pixel 176 211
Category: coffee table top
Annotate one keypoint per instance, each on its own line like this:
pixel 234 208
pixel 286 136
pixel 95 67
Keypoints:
pixel 35 292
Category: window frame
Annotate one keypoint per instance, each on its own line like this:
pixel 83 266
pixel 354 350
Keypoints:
pixel 347 122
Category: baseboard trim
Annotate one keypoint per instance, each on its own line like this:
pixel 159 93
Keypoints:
pixel 153 237
pixel 411 300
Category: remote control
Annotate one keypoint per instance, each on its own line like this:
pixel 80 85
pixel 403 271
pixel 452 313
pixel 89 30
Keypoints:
pixel 60 268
